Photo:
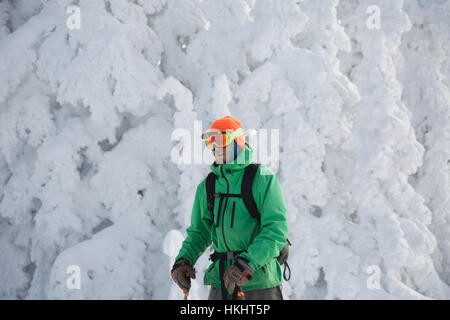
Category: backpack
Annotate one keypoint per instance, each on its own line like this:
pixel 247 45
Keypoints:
pixel 250 204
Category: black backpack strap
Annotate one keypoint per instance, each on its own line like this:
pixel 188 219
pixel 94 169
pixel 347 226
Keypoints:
pixel 210 189
pixel 246 190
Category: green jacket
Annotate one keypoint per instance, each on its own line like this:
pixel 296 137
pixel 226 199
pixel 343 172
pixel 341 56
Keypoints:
pixel 237 230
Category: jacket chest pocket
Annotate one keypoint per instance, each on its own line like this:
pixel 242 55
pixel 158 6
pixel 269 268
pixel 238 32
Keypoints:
pixel 225 214
pixel 238 218
pixel 233 211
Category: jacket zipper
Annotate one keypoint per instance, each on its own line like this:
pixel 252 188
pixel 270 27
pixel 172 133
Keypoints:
pixel 225 206
pixel 232 215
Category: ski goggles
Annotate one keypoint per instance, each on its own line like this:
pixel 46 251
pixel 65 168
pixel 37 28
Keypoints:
pixel 220 138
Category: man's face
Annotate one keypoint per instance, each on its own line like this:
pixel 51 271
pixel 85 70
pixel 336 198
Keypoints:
pixel 221 153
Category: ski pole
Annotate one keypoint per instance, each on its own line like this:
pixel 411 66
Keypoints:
pixel 240 293
pixel 186 292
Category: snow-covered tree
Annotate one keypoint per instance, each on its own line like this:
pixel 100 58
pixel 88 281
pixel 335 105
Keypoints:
pixel 428 98
pixel 102 103
pixel 390 214
pixel 86 118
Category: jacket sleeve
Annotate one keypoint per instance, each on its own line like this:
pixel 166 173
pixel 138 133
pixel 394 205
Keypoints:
pixel 274 226
pixel 199 232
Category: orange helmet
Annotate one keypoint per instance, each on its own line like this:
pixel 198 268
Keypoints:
pixel 231 124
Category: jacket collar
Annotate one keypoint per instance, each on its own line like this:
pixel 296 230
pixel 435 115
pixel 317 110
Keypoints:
pixel 244 158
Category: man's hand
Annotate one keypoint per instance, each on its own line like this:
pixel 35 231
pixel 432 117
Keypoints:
pixel 181 273
pixel 237 274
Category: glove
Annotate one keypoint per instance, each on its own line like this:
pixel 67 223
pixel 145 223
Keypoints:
pixel 237 274
pixel 181 274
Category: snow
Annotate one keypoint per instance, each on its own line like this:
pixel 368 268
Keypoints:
pixel 100 152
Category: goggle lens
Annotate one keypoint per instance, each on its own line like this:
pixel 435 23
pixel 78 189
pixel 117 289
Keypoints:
pixel 220 138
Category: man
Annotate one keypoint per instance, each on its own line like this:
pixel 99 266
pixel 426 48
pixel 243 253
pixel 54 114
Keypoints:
pixel 245 261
